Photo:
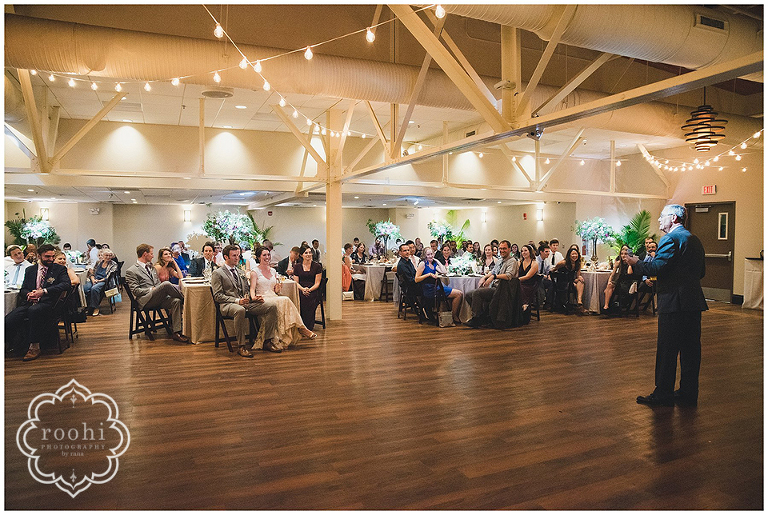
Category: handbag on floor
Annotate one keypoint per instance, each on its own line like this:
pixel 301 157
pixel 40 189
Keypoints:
pixel 348 295
pixel 445 319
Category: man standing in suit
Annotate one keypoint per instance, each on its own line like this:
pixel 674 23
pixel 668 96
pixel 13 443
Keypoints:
pixel 316 251
pixel 150 293
pixel 678 267
pixel 43 285
pixel 231 292
pixel 197 265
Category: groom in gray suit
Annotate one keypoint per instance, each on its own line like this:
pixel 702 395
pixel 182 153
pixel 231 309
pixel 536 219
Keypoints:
pixel 151 293
pixel 230 291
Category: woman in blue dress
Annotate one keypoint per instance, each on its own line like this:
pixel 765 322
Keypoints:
pixel 427 270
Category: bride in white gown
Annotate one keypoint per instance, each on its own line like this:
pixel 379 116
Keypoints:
pixel 290 328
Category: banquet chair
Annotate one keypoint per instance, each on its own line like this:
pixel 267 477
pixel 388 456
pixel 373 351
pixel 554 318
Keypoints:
pixel 622 302
pixel 643 289
pixel 565 291
pixel 387 283
pixel 536 304
pixel 146 321
pixel 438 299
pixel 410 292
pixel 253 326
pixel 323 283
pixel 66 322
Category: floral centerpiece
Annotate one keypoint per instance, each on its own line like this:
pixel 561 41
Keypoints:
pixel 463 265
pixel 73 256
pixel 595 230
pixel 441 231
pixel 229 227
pixel 32 230
pixel 384 230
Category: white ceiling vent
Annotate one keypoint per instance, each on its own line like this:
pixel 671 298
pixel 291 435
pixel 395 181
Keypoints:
pixel 214 92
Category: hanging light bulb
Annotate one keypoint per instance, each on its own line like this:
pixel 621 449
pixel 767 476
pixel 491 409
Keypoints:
pixel 756 135
pixel 363 136
pixel 618 162
pixel 308 53
pixel 71 83
pixel 309 122
pixel 731 153
pixel 333 134
pixel 51 78
pixel 243 64
pixel 546 162
pixel 33 72
pixel 216 77
pixel 267 87
pixel 218 31
pixel 696 161
pixel 582 162
pixel 323 131
pixel 706 163
pixel 738 157
pixel 720 169
pixel 317 127
pixel 175 81
pixel 282 102
pixel 744 169
pixel 370 37
pixel 480 155
pixel 147 87
pixel 514 158
pixel 295 113
pixel 419 147
pixel 716 159
pixel 94 86
pixel 743 145
pixel 257 67
pixel 439 11
pixel 118 87
pixel 690 168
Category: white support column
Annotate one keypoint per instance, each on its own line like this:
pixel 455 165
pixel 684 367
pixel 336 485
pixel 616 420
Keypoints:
pixel 201 136
pixel 333 221
pixel 394 117
pixel 445 156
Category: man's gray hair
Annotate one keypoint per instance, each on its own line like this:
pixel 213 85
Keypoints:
pixel 678 211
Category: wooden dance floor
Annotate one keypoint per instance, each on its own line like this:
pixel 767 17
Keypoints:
pixel 380 413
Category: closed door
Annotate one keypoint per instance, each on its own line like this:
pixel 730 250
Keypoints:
pixel 714 225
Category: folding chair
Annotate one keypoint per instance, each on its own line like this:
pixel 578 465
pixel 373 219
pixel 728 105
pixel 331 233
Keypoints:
pixel 253 326
pixel 146 321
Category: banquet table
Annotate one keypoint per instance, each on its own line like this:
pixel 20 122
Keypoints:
pixel 594 289
pixel 11 298
pixel 200 314
pixel 82 275
pixel 465 283
pixel 373 277
pixel 753 283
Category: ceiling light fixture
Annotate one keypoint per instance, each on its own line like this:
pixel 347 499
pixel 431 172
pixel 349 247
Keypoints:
pixel 370 37
pixel 94 86
pixel 267 87
pixel 118 87
pixel 582 162
pixel 257 67
pixel 71 83
pixel 241 107
pixel 175 81
pixel 216 77
pixel 439 11
pixel 147 87
pixel 243 64
pixel 704 129
pixel 218 31
pixel 52 78
pixel 546 162
pixel 618 162
pixel 308 54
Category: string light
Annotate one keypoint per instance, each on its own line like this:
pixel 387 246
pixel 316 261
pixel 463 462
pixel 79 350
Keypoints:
pixel 216 77
pixel 582 162
pixel 696 161
pixel 257 67
pixel 716 159
pixel 267 87
pixel 756 135
pixel 363 136
pixel 419 147
pixel 480 155
pixel 218 31
pixel 743 145
pixel 514 158
pixel 323 132
pixel 720 169
pixel 439 11
pixel 546 162
pixel 370 37
pixel 618 162
pixel 295 113
pixel 51 78
pixel 308 53
pixel 118 87
pixel 744 169
pixel 71 83
pixel 309 122
pixel 706 163
pixel 175 81
pixel 282 102
pixel 33 72
pixel 731 153
pixel 94 86
pixel 147 87
pixel 738 157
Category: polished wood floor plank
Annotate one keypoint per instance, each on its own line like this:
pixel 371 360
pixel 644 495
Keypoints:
pixel 380 413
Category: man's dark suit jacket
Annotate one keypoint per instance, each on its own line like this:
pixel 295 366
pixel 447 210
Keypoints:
pixel 406 270
pixel 679 267
pixel 55 282
pixel 282 265
pixel 197 265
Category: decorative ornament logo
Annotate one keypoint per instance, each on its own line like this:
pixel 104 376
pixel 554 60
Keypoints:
pixel 73 438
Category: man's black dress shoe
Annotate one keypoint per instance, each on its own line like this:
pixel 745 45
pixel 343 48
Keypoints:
pixel 684 400
pixel 654 400
pixel 474 323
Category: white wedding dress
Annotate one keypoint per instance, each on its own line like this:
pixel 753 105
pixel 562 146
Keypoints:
pixel 288 317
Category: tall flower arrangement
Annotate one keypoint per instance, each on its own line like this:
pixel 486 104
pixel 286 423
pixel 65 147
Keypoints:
pixel 463 265
pixel 440 230
pixel 595 230
pixel 231 227
pixel 32 230
pixel 384 230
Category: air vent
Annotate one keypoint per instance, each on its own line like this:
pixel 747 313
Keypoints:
pixel 470 133
pixel 710 23
pixel 218 92
pixel 126 107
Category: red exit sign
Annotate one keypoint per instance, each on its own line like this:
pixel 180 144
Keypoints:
pixel 709 190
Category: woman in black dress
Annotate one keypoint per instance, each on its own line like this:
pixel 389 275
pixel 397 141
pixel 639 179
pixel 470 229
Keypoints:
pixel 308 274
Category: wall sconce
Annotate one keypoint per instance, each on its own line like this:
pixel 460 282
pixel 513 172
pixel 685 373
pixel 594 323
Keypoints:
pixel 44 213
pixel 483 218
pixel 187 215
pixel 539 215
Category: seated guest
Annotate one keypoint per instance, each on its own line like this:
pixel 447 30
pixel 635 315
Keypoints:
pixel 428 270
pixel 572 263
pixel 646 285
pixel 218 258
pixel 285 265
pixel 547 287
pixel 184 253
pixel 413 259
pixel 15 266
pixel 527 272
pixel 435 247
pixel 480 299
pixel 66 247
pixel 106 246
pixel 454 250
pixel 407 271
pixel 495 247
pixel 264 283
pixel 419 247
pixel 621 271
pixel 197 265
pixel 96 282
pixel 308 273
pixel 167 267
pixel 477 250
pixel 176 251
pixel 230 291
pixel 151 293
pixel 445 255
pixel 30 253
pixel 42 286
pixel 60 258
pixel 488 262
pixel 346 266
pixel 378 249
pixel 515 252
pixel 274 257
pixel 554 255
pixel 359 256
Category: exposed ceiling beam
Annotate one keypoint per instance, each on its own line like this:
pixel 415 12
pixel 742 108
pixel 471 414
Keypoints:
pixel 34 119
pixel 345 131
pixel 513 160
pixel 379 130
pixel 86 128
pixel 361 155
pixel 656 169
pixel 21 143
pixel 450 66
pixel 71 172
pixel 562 24
pixel 305 142
pixel 275 199
pixel 575 142
pixel 416 91
pixel 574 83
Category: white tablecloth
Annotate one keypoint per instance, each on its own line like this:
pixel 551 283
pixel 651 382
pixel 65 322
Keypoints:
pixel 200 314
pixel 753 284
pixel 594 289
pixel 374 275
pixel 82 275
pixel 464 283
pixel 11 298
